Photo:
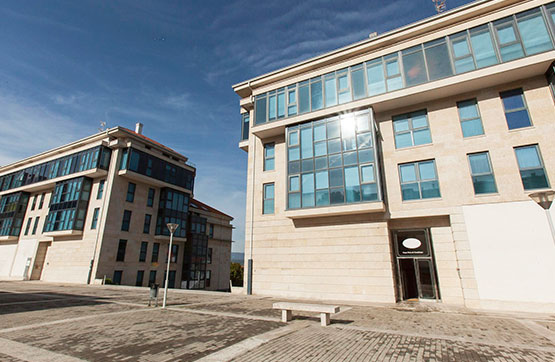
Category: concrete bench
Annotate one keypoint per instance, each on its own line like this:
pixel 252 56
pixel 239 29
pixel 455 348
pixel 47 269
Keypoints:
pixel 324 310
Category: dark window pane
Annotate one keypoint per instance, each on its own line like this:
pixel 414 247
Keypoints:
pixel 518 119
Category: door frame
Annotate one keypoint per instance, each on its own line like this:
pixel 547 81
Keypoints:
pixel 431 258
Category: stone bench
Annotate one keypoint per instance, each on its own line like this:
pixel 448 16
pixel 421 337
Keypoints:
pixel 324 310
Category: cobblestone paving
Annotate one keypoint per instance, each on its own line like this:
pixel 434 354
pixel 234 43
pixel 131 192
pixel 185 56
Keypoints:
pixel 346 344
pixel 109 323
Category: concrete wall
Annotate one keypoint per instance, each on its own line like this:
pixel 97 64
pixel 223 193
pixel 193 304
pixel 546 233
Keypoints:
pixel 7 254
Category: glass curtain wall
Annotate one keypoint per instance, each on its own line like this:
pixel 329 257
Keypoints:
pixel 12 212
pixel 97 157
pixel 68 205
pixel 516 36
pixel 332 161
pixel 195 254
pixel 173 208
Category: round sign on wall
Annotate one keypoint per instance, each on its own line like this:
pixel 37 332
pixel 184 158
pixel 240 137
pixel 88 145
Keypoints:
pixel 412 243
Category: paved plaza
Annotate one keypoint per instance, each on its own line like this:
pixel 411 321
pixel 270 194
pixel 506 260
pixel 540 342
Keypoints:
pixel 55 322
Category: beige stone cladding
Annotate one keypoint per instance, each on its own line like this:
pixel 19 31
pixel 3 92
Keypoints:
pixel 135 236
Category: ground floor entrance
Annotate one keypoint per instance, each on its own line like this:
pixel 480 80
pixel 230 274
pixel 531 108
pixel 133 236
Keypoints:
pixel 40 257
pixel 414 261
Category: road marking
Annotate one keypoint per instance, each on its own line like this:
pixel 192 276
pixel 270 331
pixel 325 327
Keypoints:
pixel 248 344
pixel 38 325
pixel 25 352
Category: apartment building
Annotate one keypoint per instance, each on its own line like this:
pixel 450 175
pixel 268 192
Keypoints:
pixel 96 210
pixel 401 167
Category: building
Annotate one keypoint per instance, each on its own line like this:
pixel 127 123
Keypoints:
pixel 97 209
pixel 400 167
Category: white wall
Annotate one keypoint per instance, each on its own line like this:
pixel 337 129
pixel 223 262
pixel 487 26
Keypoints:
pixel 27 249
pixel 513 251
pixel 7 253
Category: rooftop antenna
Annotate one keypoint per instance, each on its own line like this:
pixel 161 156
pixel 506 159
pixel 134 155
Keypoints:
pixel 439 5
pixel 102 127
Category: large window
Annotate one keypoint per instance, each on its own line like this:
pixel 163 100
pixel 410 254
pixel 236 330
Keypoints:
pixel 469 115
pixel 516 111
pixel 194 261
pixel 332 161
pixel 120 256
pixel 419 180
pixel 173 208
pixel 130 192
pixel 531 167
pixel 100 191
pixel 140 276
pixel 142 252
pixel 269 156
pixel 68 205
pixel 411 129
pixel 519 35
pixel 245 120
pixel 482 173
pixel 146 225
pixel 94 221
pixel 126 221
pixel 268 202
pixel 155 252
pixel 97 157
pixel 150 198
pixel 151 166
pixel 12 212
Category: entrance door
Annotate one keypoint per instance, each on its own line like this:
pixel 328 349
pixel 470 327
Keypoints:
pixel 42 250
pixel 415 265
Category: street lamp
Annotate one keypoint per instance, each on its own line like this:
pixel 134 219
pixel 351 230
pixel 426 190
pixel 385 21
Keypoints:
pixel 171 228
pixel 545 199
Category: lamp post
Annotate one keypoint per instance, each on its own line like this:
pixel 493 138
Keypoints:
pixel 545 199
pixel 171 228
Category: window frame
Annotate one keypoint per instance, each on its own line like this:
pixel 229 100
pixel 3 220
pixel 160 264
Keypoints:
pixel 516 109
pixel 143 253
pixel 266 147
pixel 94 220
pixel 120 252
pixel 266 199
pixel 100 190
pixel 491 172
pixel 418 180
pixel 131 188
pixel 126 220
pixel 409 117
pixel 461 120
pixel 542 163
pixel 146 225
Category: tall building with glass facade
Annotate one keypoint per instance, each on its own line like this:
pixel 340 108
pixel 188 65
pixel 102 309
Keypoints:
pixel 400 167
pixel 97 209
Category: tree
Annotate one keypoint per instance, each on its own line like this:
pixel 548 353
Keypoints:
pixel 236 274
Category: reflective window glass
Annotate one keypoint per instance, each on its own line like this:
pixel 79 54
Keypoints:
pixel 516 112
pixel 471 123
pixel 482 174
pixel 532 171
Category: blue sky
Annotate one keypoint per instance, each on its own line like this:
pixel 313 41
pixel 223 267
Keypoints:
pixel 67 65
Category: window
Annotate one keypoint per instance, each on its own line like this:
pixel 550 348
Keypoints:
pixel 100 189
pixel 343 86
pixel 437 59
pixel 532 171
pixel 150 199
pixel 174 254
pixel 260 109
pixel 208 277
pixel 28 225
pixel 550 75
pixel 394 79
pixel 142 253
pixel 41 203
pixel 509 40
pixel 516 111
pixel 419 180
pixel 336 162
pixel 533 31
pixel 118 274
pixel 462 56
pixel 211 231
pixel 316 94
pixel 140 276
pixel 411 129
pixel 269 155
pixel 34 202
pixel 357 81
pixel 152 277
pixel 35 225
pixel 68 205
pixel 469 115
pixel 126 220
pixel 130 192
pixel 95 218
pixel 146 226
pixel 174 207
pixel 121 250
pixel 482 174
pixel 414 66
pixel 245 120
pixel 268 203
pixel 304 97
pixel 375 77
pixel 482 46
pixel 209 256
pixel 155 252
